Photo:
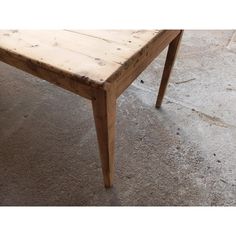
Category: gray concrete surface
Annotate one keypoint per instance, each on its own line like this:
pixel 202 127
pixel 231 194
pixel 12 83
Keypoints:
pixel 183 154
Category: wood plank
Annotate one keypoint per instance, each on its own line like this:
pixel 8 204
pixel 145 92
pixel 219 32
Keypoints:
pixel 129 38
pixel 76 54
pixel 65 60
pixel 79 43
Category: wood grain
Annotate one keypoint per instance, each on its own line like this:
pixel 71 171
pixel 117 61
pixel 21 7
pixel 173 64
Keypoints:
pixel 170 60
pixel 89 59
pixel 104 110
pixel 135 65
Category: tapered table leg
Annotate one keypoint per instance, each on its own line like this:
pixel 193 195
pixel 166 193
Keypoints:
pixel 170 60
pixel 104 110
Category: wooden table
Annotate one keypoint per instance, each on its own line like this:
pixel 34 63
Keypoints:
pixel 96 64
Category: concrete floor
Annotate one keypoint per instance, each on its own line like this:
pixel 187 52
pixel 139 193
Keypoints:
pixel 183 154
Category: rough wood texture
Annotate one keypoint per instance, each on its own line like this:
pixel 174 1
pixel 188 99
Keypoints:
pixel 90 57
pixel 104 110
pixel 170 60
pixel 135 65
pixel 96 64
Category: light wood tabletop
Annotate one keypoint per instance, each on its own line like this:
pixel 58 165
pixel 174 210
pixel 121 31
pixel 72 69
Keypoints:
pixel 96 64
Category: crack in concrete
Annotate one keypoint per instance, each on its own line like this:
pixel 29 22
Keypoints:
pixel 204 116
pixel 232 40
pixel 213 120
pixel 185 81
